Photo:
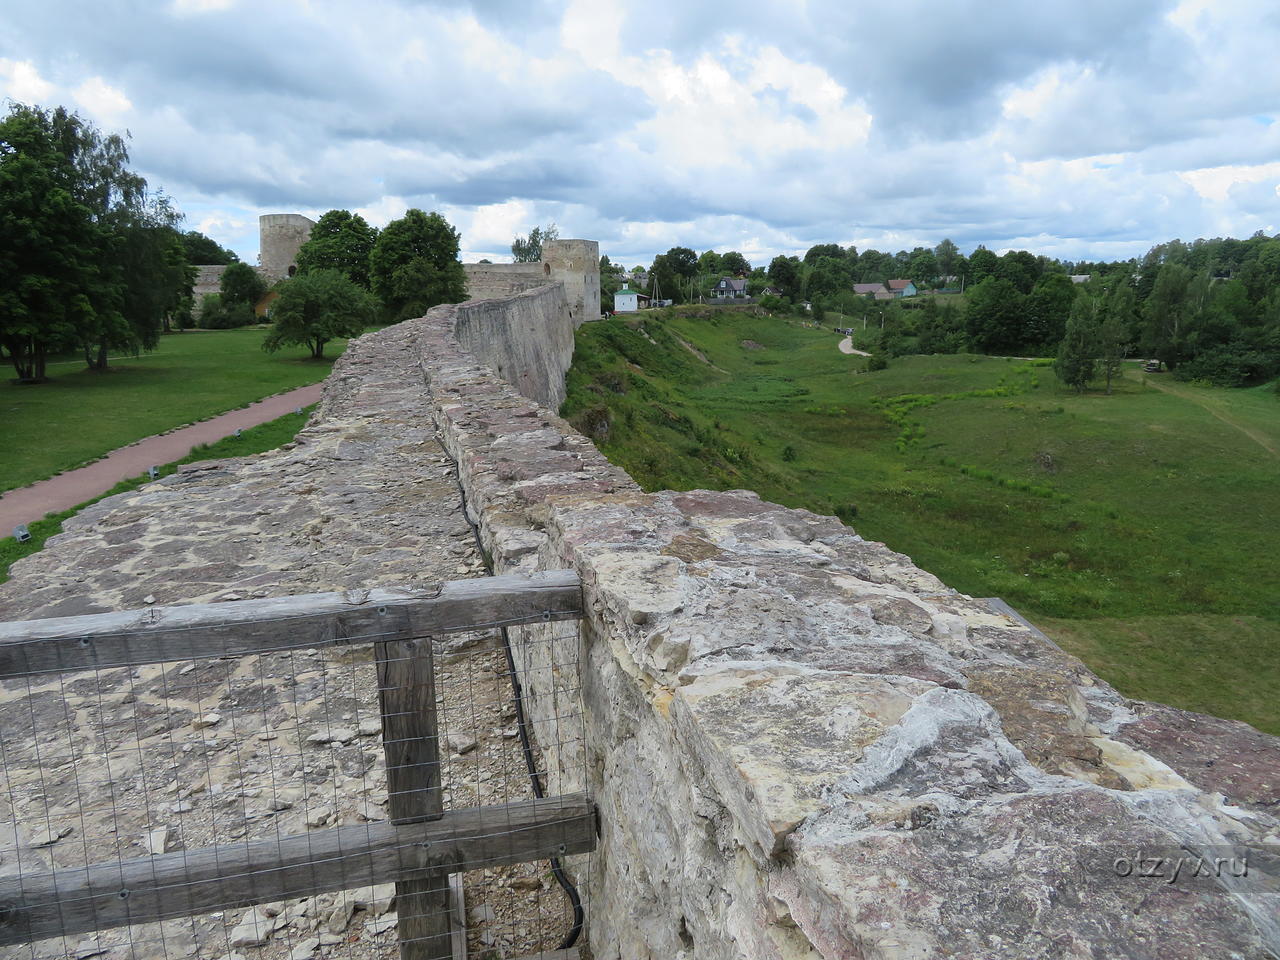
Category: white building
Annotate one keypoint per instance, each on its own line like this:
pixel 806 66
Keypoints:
pixel 629 301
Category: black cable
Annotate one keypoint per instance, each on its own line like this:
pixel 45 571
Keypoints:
pixel 517 693
pixel 557 871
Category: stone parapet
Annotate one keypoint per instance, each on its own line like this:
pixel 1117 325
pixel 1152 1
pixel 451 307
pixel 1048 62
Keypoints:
pixel 805 746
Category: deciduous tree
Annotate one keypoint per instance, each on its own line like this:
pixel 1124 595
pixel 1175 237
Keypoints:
pixel 68 207
pixel 414 266
pixel 201 250
pixel 784 273
pixel 994 316
pixel 342 241
pixel 1077 361
pixel 315 307
pixel 529 249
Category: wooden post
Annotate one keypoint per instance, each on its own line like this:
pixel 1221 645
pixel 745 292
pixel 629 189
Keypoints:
pixel 410 737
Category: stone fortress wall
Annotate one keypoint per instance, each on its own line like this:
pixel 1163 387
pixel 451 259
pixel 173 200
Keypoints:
pixel 574 263
pixel 802 745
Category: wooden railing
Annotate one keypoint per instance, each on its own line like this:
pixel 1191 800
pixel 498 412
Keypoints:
pixel 420 846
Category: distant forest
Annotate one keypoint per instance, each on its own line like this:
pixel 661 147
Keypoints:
pixel 1208 310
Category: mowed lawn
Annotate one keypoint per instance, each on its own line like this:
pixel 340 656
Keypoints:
pixel 1137 529
pixel 81 415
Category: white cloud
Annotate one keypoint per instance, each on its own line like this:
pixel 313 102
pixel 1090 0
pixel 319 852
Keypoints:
pixel 196 7
pixel 103 102
pixel 21 81
pixel 1081 129
pixel 1216 183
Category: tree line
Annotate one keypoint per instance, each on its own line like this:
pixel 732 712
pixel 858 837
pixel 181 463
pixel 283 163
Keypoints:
pixel 92 262
pixel 1207 310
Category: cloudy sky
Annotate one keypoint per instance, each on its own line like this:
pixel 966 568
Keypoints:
pixel 1093 128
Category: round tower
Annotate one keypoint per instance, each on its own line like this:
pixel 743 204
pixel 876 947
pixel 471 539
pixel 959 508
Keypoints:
pixel 280 236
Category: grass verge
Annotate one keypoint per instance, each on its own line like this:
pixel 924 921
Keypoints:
pixel 81 415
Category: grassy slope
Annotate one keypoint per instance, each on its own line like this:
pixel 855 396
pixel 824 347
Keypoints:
pixel 1138 527
pixel 265 436
pixel 81 415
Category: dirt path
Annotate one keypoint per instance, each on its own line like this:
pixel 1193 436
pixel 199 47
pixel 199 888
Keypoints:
pixel 846 346
pixel 1261 439
pixel 29 503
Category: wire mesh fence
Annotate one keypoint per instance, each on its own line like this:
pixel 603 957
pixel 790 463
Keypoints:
pixel 353 795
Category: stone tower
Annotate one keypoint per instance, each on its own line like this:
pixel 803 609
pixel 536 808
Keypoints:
pixel 576 264
pixel 280 235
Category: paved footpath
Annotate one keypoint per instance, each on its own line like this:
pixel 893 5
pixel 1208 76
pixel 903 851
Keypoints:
pixel 26 504
pixel 846 346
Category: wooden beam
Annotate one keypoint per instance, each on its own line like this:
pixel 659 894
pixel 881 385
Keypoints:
pixel 192 882
pixel 192 631
pixel 410 740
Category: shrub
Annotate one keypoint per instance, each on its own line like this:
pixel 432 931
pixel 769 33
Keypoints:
pixel 877 361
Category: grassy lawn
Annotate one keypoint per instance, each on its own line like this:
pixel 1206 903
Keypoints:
pixel 265 436
pixel 81 415
pixel 1137 529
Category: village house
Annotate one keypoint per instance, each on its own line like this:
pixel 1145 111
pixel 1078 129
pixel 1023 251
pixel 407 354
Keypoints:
pixel 886 291
pixel 730 288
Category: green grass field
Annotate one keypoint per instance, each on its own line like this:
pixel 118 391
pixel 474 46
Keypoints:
pixel 1138 529
pixel 81 415
pixel 265 436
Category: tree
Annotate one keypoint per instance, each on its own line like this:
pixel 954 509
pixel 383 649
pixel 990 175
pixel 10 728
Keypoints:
pixel 820 250
pixel 947 255
pixel 993 316
pixel 612 276
pixel 342 241
pixel 830 276
pixel 1047 309
pixel 1076 363
pixel 1113 332
pixel 784 273
pixel 923 268
pixel 68 204
pixel 159 276
pixel 529 249
pixel 735 263
pixel 241 283
pixel 672 273
pixel 201 250
pixel 315 307
pixel 1165 313
pixel 875 267
pixel 414 266
pixel 711 264
pixel 982 264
